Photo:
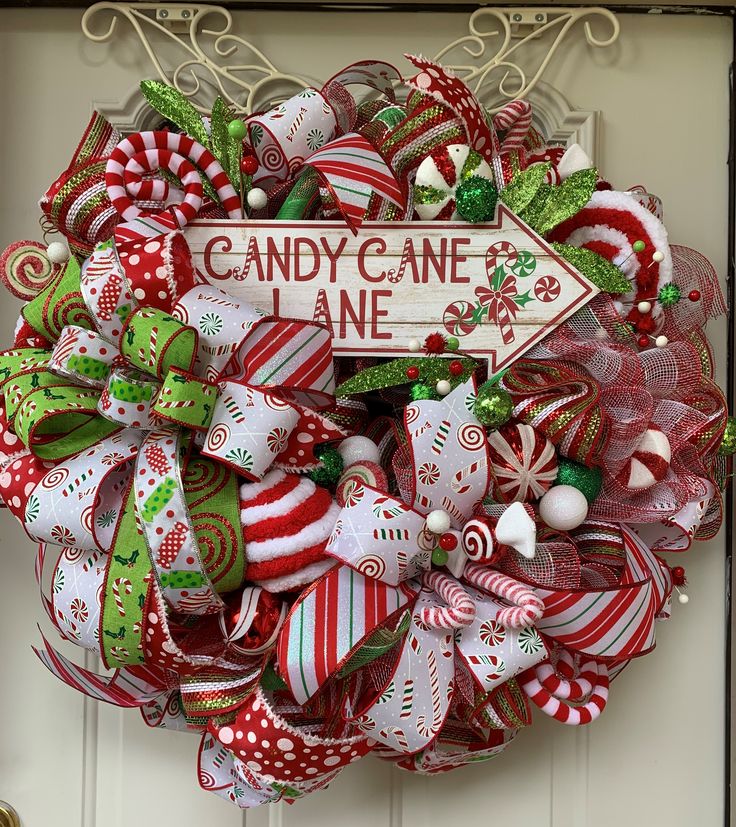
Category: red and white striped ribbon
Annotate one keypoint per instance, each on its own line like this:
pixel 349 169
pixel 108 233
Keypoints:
pixel 143 153
pixel 527 609
pixel 557 707
pixel 461 609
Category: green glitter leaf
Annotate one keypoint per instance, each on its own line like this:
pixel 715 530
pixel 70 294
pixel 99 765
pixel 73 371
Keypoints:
pixel 390 374
pixel 520 192
pixel 531 213
pixel 220 140
pixel 595 268
pixel 170 103
pixel 567 199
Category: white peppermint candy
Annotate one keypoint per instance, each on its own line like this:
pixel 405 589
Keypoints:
pixel 649 463
pixel 440 174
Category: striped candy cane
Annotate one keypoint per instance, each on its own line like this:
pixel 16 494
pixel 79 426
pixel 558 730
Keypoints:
pixel 457 481
pixel 527 609
pixel 558 708
pixel 145 152
pixel 514 119
pixel 121 584
pixel 461 609
pixel 559 680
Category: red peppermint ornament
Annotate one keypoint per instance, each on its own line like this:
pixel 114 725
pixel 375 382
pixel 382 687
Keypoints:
pixel 649 462
pixel 523 463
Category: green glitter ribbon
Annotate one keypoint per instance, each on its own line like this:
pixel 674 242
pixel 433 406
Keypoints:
pixel 594 267
pixel 391 374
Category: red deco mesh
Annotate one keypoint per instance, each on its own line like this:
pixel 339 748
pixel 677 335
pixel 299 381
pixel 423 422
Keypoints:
pixel 666 387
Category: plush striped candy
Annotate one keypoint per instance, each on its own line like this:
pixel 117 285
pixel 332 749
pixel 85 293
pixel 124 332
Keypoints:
pixel 440 174
pixel 287 520
pixel 649 463
pixel 523 462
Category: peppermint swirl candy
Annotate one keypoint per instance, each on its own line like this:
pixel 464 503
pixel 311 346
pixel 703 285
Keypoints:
pixel 477 541
pixel 25 269
pixel 438 177
pixel 371 565
pixel 523 462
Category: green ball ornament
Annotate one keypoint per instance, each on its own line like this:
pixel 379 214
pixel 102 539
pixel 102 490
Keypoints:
pixel 728 443
pixel 237 129
pixel 452 343
pixel 493 406
pixel 475 199
pixel 638 246
pixel 587 480
pixel 420 391
pixel 669 295
pixel 439 556
pixel 330 467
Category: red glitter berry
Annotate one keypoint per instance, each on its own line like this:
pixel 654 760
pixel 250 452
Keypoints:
pixel 643 341
pixel 694 295
pixel 435 343
pixel 249 165
pixel 412 373
pixel 678 576
pixel 448 542
pixel 456 368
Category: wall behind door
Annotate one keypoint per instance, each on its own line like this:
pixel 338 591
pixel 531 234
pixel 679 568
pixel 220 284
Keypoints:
pixel 656 757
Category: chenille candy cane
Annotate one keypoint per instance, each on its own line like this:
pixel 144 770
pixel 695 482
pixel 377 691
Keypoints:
pixel 527 609
pixel 145 152
pixel 514 119
pixel 558 707
pixel 461 609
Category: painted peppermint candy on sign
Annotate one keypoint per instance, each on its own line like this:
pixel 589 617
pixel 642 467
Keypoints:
pixel 498 287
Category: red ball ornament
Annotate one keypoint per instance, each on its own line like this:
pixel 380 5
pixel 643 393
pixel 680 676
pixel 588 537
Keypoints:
pixel 435 343
pixel 412 373
pixel 678 576
pixel 643 341
pixel 448 542
pixel 249 165
pixel 694 296
pixel 456 368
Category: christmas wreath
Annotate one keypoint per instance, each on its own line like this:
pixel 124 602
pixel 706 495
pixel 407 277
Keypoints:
pixel 305 556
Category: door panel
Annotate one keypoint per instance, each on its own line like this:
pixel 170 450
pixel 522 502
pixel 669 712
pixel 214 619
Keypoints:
pixel 662 91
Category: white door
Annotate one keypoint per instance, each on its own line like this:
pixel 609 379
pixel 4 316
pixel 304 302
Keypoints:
pixel 656 757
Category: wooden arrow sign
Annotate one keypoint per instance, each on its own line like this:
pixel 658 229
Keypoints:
pixel 498 287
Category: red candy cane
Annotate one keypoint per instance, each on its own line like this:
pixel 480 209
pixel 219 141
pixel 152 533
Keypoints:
pixel 559 680
pixel 514 119
pixel 460 612
pixel 527 609
pixel 121 584
pixel 558 708
pixel 145 152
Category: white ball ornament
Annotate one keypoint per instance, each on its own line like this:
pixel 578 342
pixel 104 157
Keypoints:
pixel 644 307
pixel 443 387
pixel 257 198
pixel 414 345
pixel 358 449
pixel 563 507
pixel 661 341
pixel 683 598
pixel 58 252
pixel 658 256
pixel 438 521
